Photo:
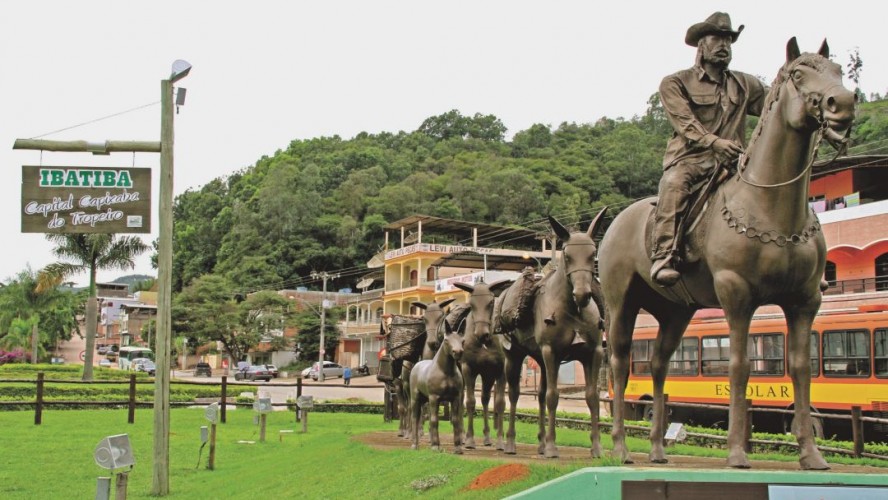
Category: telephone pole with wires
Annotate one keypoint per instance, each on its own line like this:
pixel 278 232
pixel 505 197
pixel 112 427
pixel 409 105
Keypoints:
pixel 323 276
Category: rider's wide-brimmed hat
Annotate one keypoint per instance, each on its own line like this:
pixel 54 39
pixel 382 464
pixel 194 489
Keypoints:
pixel 717 23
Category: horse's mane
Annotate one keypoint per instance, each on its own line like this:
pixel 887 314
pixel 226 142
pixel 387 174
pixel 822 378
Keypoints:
pixel 815 61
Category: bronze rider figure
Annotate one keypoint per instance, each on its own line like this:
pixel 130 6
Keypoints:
pixel 707 106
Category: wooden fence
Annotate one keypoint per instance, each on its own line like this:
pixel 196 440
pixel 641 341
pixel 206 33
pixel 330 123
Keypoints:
pixel 131 404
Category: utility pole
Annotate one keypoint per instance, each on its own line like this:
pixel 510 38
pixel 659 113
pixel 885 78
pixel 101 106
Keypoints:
pixel 160 481
pixel 322 276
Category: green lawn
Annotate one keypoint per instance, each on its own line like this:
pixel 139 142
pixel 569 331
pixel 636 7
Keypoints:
pixel 55 460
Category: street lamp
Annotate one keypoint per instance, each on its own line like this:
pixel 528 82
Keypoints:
pixel 322 276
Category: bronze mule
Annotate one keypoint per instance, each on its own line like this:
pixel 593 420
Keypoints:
pixel 758 243
pixel 564 327
pixel 433 315
pixel 483 355
pixel 437 380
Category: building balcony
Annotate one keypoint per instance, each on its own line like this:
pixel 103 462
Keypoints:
pixel 864 285
pixel 407 284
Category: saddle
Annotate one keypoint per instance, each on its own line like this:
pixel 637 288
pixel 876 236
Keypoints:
pixel 698 201
pixel 515 307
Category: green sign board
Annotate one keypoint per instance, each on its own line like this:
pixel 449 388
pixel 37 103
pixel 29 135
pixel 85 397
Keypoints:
pixel 86 200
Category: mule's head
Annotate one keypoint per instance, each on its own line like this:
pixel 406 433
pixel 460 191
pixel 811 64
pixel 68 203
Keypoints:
pixel 452 342
pixel 578 257
pixel 821 99
pixel 432 317
pixel 482 298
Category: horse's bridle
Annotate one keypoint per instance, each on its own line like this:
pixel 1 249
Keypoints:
pixel 823 131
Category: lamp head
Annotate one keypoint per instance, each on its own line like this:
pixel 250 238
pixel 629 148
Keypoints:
pixel 181 68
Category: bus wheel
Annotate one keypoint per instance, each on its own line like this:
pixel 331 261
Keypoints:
pixel 816 424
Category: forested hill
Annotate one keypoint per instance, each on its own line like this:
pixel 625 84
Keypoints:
pixel 320 204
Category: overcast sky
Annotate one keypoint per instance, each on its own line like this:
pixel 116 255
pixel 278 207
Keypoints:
pixel 271 72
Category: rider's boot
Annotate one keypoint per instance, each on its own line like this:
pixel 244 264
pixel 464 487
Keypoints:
pixel 663 273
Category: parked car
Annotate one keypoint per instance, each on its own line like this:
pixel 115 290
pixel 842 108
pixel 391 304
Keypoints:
pixel 331 370
pixel 273 370
pixel 102 349
pixel 253 373
pixel 106 363
pixel 203 369
pixel 144 365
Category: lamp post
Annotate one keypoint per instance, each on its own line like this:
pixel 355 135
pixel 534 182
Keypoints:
pixel 161 474
pixel 322 276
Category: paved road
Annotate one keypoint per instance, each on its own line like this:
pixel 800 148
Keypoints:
pixel 369 389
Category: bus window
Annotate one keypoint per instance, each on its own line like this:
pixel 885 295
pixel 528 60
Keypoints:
pixel 716 355
pixel 684 359
pixel 641 356
pixel 881 347
pixel 765 354
pixel 846 353
pixel 815 356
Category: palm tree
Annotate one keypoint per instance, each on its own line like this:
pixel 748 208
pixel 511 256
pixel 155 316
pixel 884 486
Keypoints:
pixel 90 253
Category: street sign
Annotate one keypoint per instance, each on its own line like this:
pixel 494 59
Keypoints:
pixel 86 199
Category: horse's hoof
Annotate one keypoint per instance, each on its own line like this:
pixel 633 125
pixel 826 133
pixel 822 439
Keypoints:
pixel 414 447
pixel 457 451
pixel 551 452
pixel 623 457
pixel 488 442
pixel 509 449
pixel 813 463
pixel 738 461
pixel 660 460
pixel 436 447
pixel 596 451
pixel 470 443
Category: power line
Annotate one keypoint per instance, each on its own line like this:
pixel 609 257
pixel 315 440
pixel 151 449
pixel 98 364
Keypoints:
pixel 97 119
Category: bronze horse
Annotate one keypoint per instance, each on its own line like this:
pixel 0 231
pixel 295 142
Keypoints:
pixel 757 243
pixel 483 355
pixel 565 326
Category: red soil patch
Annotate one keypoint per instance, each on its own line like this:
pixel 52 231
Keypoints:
pixel 499 475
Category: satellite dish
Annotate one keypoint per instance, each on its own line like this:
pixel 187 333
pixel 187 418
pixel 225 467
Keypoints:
pixel 364 283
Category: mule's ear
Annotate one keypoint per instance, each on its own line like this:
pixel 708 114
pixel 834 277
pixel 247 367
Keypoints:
pixel 447 302
pixel 596 223
pixel 447 328
pixel 420 305
pixel 465 287
pixel 500 286
pixel 824 49
pixel 560 231
pixel 792 50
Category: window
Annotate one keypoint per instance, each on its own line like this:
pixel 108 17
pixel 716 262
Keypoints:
pixel 882 272
pixel 846 353
pixel 829 274
pixel 815 356
pixel 641 356
pixel 684 359
pixel 765 354
pixel 430 274
pixel 716 355
pixel 880 341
